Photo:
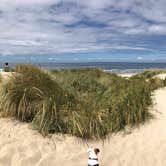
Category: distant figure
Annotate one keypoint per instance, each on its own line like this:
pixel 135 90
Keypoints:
pixel 93 159
pixel 6 67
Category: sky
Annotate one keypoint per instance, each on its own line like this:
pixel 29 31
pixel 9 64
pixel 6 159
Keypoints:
pixel 83 30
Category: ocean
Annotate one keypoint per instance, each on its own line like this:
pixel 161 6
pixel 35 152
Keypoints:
pixel 114 67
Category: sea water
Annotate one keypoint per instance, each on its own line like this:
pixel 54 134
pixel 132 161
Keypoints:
pixel 114 67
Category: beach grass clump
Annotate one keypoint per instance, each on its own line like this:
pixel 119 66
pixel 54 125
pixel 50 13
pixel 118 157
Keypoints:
pixel 164 82
pixel 25 90
pixel 1 78
pixel 151 79
pixel 87 103
pixel 118 101
pixel 127 102
pixel 33 95
pixel 148 74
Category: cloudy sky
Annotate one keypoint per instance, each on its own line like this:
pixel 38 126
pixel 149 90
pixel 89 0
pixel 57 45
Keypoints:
pixel 76 30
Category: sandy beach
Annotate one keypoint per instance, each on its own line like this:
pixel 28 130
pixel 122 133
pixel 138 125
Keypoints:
pixel 20 145
pixel 126 75
pixel 160 76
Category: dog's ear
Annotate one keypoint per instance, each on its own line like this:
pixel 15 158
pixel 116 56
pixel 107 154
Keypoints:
pixel 96 150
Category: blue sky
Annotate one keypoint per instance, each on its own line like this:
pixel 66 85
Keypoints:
pixel 75 30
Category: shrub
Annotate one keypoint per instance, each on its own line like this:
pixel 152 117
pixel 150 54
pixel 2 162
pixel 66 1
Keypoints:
pixel 87 103
pixel 26 88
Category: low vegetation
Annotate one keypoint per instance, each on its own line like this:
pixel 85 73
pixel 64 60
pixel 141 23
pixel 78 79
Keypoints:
pixel 87 103
pixel 150 77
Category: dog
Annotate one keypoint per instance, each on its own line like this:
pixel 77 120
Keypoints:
pixel 93 159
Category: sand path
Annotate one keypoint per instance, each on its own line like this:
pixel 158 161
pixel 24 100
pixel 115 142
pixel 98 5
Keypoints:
pixel 145 146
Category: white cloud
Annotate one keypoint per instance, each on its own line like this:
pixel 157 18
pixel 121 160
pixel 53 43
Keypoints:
pixel 139 58
pixel 58 26
pixel 159 29
pixel 8 4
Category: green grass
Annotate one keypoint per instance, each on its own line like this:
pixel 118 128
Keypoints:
pixel 87 103
pixel 0 78
pixel 149 77
pixel 148 74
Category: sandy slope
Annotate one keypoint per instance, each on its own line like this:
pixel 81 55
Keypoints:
pixel 126 75
pixel 145 146
pixel 161 76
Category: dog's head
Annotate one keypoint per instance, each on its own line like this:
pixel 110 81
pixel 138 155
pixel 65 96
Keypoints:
pixel 96 150
pixel 93 150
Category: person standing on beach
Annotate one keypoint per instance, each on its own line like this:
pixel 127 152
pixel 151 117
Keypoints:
pixel 6 67
pixel 93 159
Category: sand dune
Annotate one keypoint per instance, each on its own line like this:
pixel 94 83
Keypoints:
pixel 126 75
pixel 145 146
pixel 161 76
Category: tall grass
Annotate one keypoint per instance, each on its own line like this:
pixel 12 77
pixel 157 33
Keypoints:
pixel 0 78
pixel 86 103
pixel 149 77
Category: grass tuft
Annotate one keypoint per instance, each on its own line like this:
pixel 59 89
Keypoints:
pixel 87 103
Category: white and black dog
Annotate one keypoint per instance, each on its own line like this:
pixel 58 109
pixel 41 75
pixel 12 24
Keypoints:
pixel 93 159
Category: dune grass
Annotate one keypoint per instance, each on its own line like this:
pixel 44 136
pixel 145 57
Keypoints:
pixel 87 103
pixel 149 77
pixel 0 78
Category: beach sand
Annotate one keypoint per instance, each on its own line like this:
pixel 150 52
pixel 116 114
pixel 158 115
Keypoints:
pixel 126 75
pixel 20 145
pixel 161 76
